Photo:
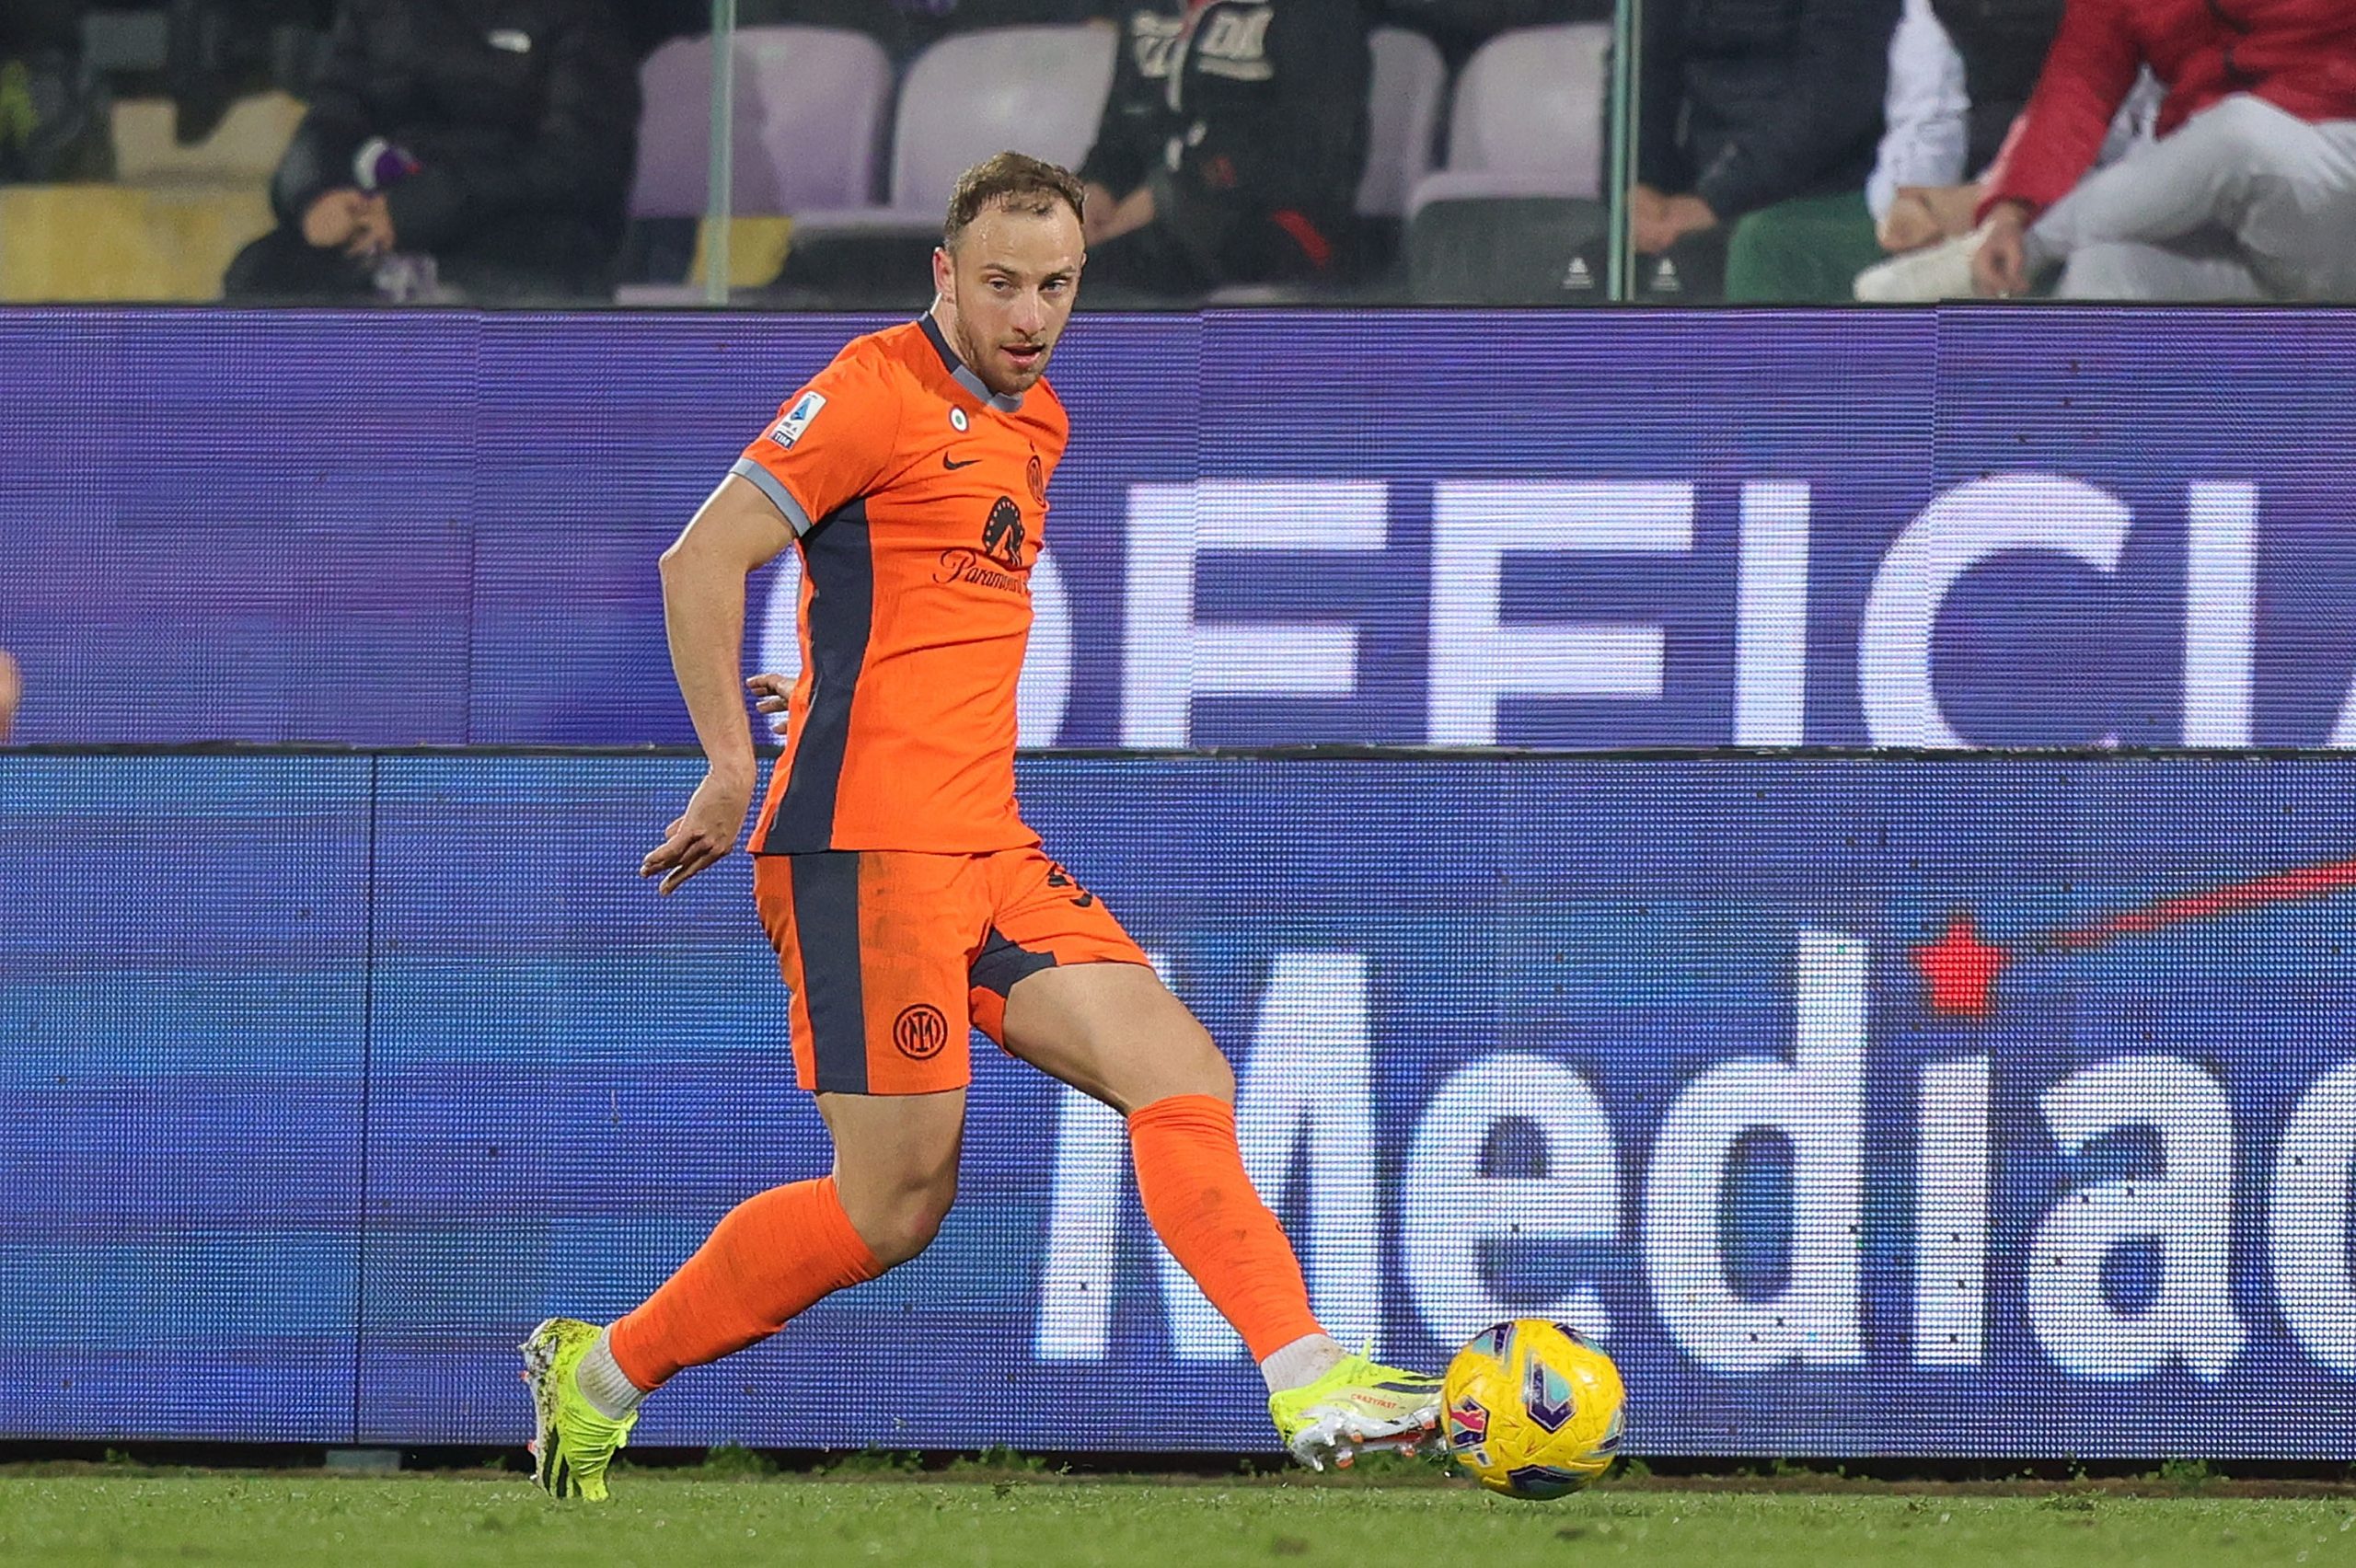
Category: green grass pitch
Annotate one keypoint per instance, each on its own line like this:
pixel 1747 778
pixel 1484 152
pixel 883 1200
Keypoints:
pixel 69 1516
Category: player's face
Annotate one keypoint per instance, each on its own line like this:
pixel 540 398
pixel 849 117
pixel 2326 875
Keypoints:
pixel 1009 287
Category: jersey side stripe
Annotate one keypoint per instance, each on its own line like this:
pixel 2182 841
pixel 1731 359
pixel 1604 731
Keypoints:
pixel 842 612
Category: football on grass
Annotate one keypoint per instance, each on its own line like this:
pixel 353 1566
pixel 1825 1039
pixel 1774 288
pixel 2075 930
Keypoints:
pixel 1532 1409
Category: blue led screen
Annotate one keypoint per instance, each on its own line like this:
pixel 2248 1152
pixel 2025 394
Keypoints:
pixel 1561 530
pixel 1979 1105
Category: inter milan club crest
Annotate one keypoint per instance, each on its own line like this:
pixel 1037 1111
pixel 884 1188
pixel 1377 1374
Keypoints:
pixel 921 1032
pixel 1038 481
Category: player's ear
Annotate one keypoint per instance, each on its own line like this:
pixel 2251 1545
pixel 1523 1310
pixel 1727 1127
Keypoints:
pixel 944 272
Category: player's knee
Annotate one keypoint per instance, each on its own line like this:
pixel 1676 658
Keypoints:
pixel 1187 1062
pixel 899 1226
pixel 1209 1065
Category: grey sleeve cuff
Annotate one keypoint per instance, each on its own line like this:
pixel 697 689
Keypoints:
pixel 761 479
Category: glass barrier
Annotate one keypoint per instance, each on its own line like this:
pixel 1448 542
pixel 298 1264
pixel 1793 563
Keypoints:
pixel 798 154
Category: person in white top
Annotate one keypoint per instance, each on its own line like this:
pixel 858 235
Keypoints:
pixel 1923 190
pixel 1922 163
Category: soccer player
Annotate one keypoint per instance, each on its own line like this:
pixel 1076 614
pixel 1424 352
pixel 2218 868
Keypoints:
pixel 905 898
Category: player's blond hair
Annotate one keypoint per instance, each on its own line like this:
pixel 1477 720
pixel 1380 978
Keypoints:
pixel 1013 180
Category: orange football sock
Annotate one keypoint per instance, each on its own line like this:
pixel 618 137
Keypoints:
pixel 768 1258
pixel 1190 1173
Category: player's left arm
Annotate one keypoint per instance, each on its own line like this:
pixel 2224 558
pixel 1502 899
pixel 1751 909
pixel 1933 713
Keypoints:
pixel 736 531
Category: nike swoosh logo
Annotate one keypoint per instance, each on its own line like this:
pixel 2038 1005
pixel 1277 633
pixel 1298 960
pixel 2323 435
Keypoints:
pixel 952 465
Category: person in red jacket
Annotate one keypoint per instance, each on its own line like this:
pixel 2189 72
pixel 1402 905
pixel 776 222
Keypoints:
pixel 2249 191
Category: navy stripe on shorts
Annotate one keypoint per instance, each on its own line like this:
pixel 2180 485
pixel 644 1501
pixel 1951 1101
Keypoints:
pixel 826 931
pixel 1001 962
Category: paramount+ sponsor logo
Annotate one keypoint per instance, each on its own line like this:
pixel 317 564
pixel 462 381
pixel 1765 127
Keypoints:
pixel 1000 563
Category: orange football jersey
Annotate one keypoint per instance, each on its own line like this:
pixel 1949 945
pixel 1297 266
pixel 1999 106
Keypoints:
pixel 920 499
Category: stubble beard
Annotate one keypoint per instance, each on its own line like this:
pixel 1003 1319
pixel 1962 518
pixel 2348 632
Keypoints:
pixel 981 359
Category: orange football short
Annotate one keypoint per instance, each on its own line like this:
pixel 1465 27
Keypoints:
pixel 894 957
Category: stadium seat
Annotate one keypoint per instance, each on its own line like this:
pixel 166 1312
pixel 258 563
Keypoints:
pixel 809 115
pixel 1403 101
pixel 1033 89
pixel 1528 118
pixel 242 153
pixel 1500 222
pixel 809 109
pixel 166 229
pixel 123 243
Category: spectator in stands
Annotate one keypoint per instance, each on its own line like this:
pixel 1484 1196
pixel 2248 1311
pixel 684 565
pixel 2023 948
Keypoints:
pixel 1960 75
pixel 1230 148
pixel 476 149
pixel 2248 192
pixel 1960 71
pixel 55 121
pixel 1757 124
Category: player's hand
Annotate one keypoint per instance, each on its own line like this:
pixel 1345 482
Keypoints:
pixel 2000 266
pixel 772 692
pixel 704 834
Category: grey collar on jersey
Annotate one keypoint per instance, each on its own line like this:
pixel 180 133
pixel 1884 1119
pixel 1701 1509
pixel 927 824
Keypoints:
pixel 962 374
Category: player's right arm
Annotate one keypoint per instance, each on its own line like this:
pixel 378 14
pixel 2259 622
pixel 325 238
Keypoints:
pixel 826 447
pixel 703 613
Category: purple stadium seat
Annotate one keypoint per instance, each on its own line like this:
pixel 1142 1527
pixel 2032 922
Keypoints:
pixel 1038 90
pixel 1528 118
pixel 1032 89
pixel 1403 118
pixel 809 110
